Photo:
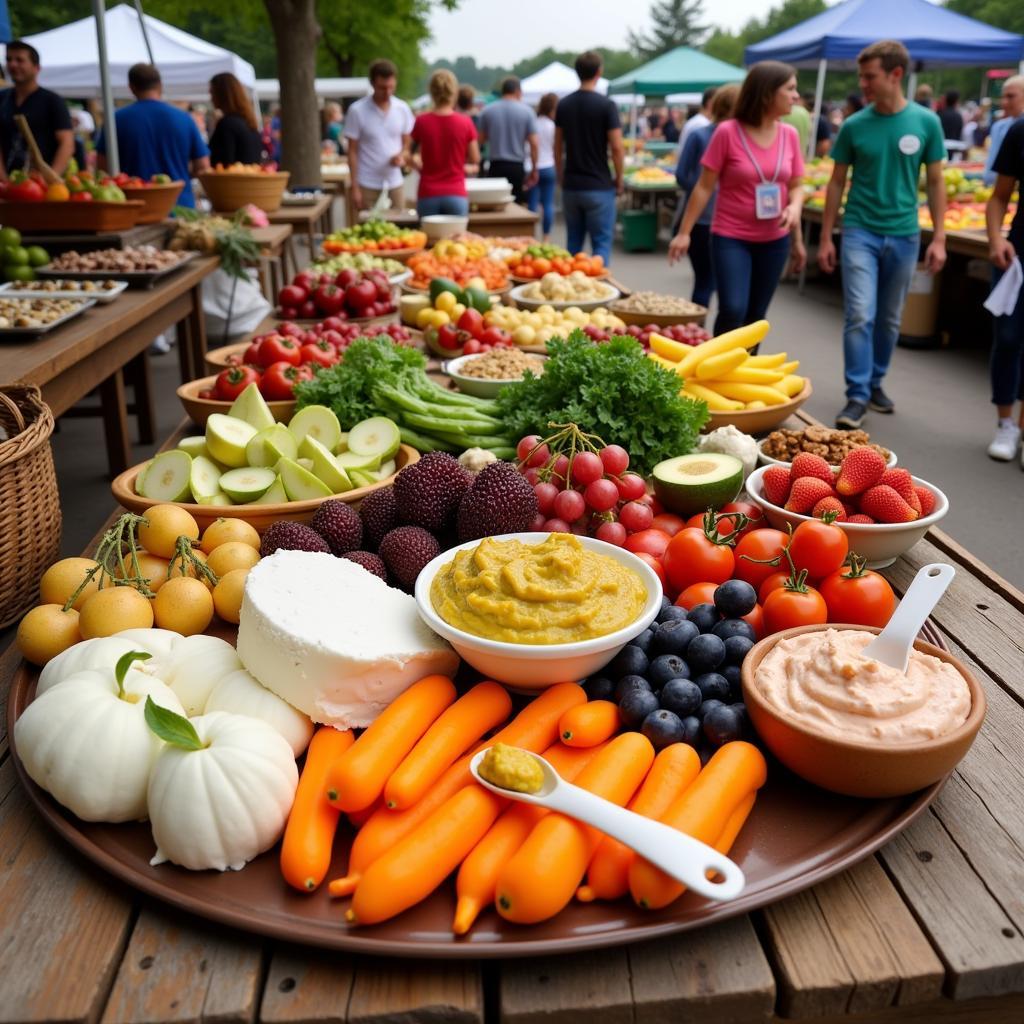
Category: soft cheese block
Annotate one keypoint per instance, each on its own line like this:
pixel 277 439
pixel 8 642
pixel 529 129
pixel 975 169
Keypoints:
pixel 332 639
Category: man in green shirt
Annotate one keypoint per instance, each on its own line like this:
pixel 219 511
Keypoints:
pixel 886 143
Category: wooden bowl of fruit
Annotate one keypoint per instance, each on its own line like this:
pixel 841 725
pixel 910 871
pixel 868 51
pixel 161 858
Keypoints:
pixel 158 197
pixel 200 409
pixel 758 421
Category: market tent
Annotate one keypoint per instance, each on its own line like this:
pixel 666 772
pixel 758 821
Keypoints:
pixel 70 57
pixel 558 78
pixel 269 89
pixel 680 70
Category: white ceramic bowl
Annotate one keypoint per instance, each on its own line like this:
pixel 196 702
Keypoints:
pixel 880 543
pixel 587 305
pixel 443 225
pixel 482 387
pixel 535 667
pixel 488 191
pixel 767 460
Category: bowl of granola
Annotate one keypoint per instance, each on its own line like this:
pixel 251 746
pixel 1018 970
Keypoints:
pixel 780 447
pixel 486 373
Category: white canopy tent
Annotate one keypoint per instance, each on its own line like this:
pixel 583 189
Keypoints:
pixel 269 89
pixel 558 78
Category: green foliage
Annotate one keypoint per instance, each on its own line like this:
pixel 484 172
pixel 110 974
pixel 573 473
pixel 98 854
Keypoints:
pixel 1005 14
pixel 675 23
pixel 729 46
pixel 612 390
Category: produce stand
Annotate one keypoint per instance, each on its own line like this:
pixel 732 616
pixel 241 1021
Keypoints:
pixel 143 234
pixel 925 930
pixel 513 219
pixel 93 350
pixel 309 219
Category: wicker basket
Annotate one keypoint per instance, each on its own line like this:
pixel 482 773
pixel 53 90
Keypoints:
pixel 229 191
pixel 30 518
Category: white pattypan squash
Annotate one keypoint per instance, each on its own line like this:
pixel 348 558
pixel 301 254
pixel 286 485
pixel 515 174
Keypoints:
pixel 220 794
pixel 86 741
pixel 192 668
pixel 104 652
pixel 241 694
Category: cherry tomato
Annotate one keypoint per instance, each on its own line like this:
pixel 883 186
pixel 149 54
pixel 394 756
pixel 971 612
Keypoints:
pixel 669 522
pixel 755 619
pixel 727 525
pixel 818 547
pixel 697 593
pixel 649 542
pixel 785 609
pixel 280 379
pixel 748 508
pixel 864 599
pixel 773 582
pixel 275 348
pixel 654 563
pixel 762 544
pixel 233 381
pixel 319 353
pixel 691 558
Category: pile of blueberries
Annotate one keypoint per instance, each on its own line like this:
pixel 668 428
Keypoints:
pixel 680 678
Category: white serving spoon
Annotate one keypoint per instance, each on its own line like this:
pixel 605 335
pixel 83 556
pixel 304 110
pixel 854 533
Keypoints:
pixel 893 645
pixel 686 859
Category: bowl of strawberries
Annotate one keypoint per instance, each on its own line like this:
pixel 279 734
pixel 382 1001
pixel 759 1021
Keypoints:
pixel 884 510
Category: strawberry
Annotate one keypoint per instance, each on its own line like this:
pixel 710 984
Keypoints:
pixel 861 469
pixel 809 464
pixel 914 502
pixel 859 517
pixel 849 506
pixel 827 505
pixel 900 480
pixel 806 493
pixel 885 505
pixel 775 485
pixel 927 500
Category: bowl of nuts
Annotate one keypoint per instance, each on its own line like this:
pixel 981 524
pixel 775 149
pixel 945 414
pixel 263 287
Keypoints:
pixel 644 308
pixel 485 374
pixel 780 447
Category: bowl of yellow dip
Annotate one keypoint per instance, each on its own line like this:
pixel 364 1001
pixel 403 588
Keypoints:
pixel 852 724
pixel 535 609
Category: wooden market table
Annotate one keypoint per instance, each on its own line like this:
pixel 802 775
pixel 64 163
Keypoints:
pixel 92 350
pixel 513 219
pixel 927 930
pixel 307 218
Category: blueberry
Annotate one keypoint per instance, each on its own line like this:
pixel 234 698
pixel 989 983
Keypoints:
pixel 643 640
pixel 732 675
pixel 691 730
pixel 663 728
pixel 672 613
pixel 599 688
pixel 666 667
pixel 713 686
pixel 635 706
pixel 708 706
pixel 705 653
pixel 629 684
pixel 630 661
pixel 681 696
pixel 722 725
pixel 735 627
pixel 736 648
pixel 735 598
pixel 673 637
pixel 704 617
pixel 665 603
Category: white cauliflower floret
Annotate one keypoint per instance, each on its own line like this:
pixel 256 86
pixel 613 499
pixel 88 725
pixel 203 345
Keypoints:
pixel 474 459
pixel 729 440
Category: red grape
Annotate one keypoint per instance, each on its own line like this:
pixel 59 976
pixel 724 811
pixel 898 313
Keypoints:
pixel 537 526
pixel 546 494
pixel 615 459
pixel 526 445
pixel 532 475
pixel 635 517
pixel 601 495
pixel 560 471
pixel 612 533
pixel 556 526
pixel 586 468
pixel 569 505
pixel 631 487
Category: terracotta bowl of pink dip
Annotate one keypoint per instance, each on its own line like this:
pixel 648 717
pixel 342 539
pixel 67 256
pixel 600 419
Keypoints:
pixel 857 767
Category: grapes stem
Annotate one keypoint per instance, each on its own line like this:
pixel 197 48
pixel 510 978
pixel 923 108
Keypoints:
pixel 110 560
pixel 189 564
pixel 567 435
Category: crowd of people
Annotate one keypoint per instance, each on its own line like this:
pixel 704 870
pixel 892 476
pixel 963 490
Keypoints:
pixel 740 167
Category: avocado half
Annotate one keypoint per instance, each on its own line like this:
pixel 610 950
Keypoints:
pixel 689 484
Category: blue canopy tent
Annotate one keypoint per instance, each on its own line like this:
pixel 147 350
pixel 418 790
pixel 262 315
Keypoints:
pixel 935 36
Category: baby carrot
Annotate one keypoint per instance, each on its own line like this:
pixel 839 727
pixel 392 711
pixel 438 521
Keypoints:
pixel 589 724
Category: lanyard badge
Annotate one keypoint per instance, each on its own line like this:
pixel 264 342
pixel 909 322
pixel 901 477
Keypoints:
pixel 767 194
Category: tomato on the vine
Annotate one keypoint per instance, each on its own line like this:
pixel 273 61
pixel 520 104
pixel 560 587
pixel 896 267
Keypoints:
pixel 230 383
pixel 762 544
pixel 692 557
pixel 773 582
pixel 787 607
pixel 818 547
pixel 857 595
pixel 729 511
pixel 697 593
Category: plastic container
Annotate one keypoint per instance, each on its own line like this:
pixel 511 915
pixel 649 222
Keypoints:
pixel 639 230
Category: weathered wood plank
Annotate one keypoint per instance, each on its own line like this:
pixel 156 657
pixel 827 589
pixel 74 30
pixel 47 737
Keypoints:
pixel 718 974
pixel 1007 1010
pixel 177 968
pixel 62 929
pixel 977 567
pixel 567 990
pixel 394 991
pixel 306 987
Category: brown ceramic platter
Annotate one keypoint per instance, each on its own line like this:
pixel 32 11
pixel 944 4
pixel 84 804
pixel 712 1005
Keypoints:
pixel 796 836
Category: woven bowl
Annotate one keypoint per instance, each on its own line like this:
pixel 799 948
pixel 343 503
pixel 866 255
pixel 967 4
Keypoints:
pixel 229 191
pixel 159 200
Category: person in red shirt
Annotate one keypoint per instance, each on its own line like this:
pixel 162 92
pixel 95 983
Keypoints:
pixel 448 151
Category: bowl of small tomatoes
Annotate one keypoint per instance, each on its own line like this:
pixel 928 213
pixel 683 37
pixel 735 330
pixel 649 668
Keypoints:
pixel 201 398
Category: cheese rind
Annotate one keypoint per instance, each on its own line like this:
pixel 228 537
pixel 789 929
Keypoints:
pixel 332 639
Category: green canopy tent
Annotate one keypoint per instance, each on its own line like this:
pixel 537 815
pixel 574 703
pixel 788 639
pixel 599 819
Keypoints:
pixel 683 69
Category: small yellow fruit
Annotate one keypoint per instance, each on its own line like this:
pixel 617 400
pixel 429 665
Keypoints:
pixel 227 595
pixel 46 631
pixel 190 572
pixel 233 555
pixel 184 605
pixel 63 578
pixel 223 531
pixel 166 524
pixel 112 609
pixel 151 568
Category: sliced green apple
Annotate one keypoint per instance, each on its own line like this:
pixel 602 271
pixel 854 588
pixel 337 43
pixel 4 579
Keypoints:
pixel 220 498
pixel 247 484
pixel 361 478
pixel 194 446
pixel 226 438
pixel 280 443
pixel 275 495
pixel 375 436
pixel 167 477
pixel 204 479
pixel 350 460
pixel 252 407
pixel 324 466
pixel 299 483
pixel 319 421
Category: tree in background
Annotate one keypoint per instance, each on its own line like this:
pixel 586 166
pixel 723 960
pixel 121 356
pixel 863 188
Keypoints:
pixel 675 23
pixel 729 47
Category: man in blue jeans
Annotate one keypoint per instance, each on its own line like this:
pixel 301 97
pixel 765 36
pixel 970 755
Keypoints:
pixel 586 128
pixel 886 143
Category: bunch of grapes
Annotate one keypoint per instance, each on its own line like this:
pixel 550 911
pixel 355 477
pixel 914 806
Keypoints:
pixel 583 486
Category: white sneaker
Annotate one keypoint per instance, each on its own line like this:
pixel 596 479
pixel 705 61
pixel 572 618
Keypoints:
pixel 1006 441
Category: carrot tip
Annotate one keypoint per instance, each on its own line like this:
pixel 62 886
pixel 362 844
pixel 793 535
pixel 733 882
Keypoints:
pixel 466 911
pixel 343 886
pixel 310 884
pixel 567 735
pixel 332 795
pixel 585 894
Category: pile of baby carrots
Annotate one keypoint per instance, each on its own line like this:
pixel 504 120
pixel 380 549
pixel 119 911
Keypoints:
pixel 406 786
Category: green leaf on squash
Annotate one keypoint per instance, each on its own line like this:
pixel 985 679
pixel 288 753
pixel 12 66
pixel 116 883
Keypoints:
pixel 171 727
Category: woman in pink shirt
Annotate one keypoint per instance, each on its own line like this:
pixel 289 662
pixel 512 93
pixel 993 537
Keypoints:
pixel 756 163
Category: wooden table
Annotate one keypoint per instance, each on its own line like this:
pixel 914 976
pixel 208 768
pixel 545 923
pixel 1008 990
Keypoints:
pixel 928 930
pixel 92 350
pixel 273 270
pixel 309 218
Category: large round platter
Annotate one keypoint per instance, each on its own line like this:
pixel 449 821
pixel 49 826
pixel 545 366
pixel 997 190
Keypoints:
pixel 587 305
pixel 796 836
